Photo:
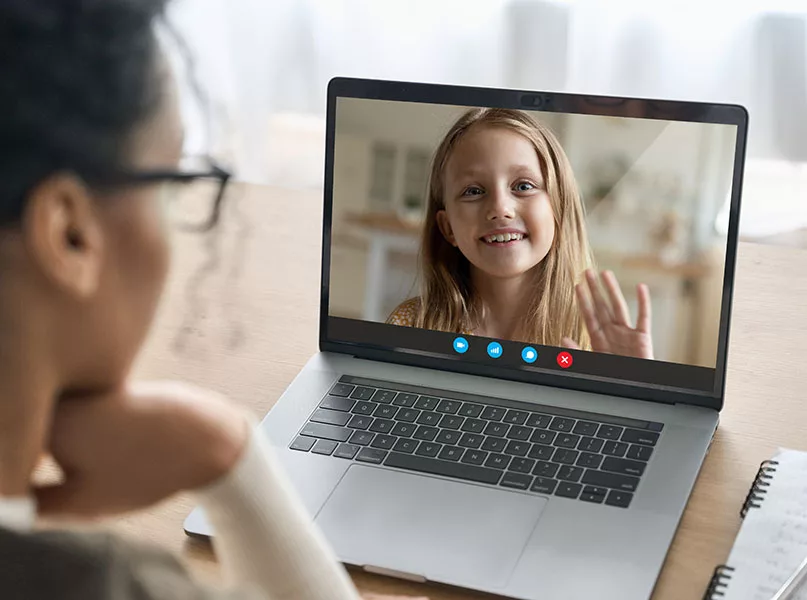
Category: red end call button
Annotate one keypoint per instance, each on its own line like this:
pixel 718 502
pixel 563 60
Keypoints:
pixel 565 360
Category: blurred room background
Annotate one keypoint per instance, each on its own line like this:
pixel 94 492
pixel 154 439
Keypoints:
pixel 653 192
pixel 267 64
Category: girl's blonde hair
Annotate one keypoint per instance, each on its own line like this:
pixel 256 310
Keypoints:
pixel 447 301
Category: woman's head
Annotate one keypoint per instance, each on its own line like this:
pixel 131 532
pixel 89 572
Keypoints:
pixel 503 204
pixel 85 96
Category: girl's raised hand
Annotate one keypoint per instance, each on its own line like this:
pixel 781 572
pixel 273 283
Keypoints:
pixel 607 318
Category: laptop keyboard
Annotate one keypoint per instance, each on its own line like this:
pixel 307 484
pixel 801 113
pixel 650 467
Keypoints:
pixel 545 450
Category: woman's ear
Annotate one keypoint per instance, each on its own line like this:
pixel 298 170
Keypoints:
pixel 445 227
pixel 63 234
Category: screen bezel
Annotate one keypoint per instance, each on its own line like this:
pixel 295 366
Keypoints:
pixel 727 114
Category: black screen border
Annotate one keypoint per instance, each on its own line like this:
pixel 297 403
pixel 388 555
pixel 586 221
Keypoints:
pixel 669 110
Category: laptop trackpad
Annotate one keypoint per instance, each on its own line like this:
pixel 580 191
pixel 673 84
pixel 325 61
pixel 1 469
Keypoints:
pixel 424 526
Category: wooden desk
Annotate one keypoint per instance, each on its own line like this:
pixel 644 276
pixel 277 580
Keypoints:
pixel 266 290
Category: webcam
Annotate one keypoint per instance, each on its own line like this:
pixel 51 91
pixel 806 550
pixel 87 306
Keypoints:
pixel 536 100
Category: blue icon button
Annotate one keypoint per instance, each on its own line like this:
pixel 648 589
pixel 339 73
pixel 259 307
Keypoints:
pixel 529 355
pixel 494 349
pixel 460 345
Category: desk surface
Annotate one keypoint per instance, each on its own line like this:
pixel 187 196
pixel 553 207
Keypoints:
pixel 245 324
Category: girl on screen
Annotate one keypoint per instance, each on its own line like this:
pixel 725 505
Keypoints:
pixel 504 249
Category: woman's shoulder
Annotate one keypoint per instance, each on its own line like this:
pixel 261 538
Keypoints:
pixel 405 313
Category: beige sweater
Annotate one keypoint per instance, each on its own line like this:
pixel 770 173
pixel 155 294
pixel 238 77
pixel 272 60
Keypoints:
pixel 267 544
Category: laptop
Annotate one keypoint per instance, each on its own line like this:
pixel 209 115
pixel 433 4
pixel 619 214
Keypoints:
pixel 556 462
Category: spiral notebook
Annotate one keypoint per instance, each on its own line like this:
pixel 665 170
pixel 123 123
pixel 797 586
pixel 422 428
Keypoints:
pixel 772 540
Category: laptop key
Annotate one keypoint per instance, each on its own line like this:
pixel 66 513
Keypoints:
pixel 441 467
pixel 337 403
pixel 407 446
pixel 515 417
pixel 516 481
pixel 474 457
pixel 470 410
pixel 593 494
pixel 427 403
pixel 447 436
pixel 362 438
pixel 325 447
pixel 385 442
pixel 407 400
pixel 617 449
pixel 360 422
pixel 538 420
pixel 371 455
pixel 451 453
pixel 546 469
pixel 407 415
pixel 519 433
pixel 567 440
pixel 637 452
pixel 570 473
pixel 589 461
pixel 428 449
pixel 404 429
pixel 362 393
pixel 522 465
pixel 585 428
pixel 385 411
pixel 609 432
pixel 494 444
pixel 426 433
pixel 543 436
pixel 330 417
pixel 541 452
pixel 493 413
pixel 473 426
pixel 342 389
pixel 517 448
pixel 471 440
pixel 382 426
pixel 563 424
pixel 302 443
pixel 363 407
pixel 590 444
pixel 326 432
pixel 567 489
pixel 624 483
pixel 618 498
pixel 346 451
pixel 429 418
pixel 497 429
pixel 636 436
pixel 449 407
pixel 544 485
pixel 451 421
pixel 565 456
pixel 497 461
pixel 623 466
pixel 384 396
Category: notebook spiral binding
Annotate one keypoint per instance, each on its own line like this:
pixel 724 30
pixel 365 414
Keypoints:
pixel 756 494
pixel 718 583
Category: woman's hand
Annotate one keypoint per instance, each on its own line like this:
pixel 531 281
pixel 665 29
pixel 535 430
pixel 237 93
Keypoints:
pixel 608 321
pixel 129 449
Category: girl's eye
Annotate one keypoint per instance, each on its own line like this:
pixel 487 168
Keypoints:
pixel 472 191
pixel 525 186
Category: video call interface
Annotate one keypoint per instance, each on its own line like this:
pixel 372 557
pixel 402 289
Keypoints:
pixel 586 245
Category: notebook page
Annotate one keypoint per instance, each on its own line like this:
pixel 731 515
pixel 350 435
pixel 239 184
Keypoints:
pixel 772 540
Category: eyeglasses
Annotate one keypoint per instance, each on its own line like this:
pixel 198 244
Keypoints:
pixel 194 194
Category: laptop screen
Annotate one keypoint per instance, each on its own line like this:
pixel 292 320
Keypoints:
pixel 553 245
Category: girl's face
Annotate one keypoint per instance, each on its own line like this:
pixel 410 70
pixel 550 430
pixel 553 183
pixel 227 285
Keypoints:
pixel 496 210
